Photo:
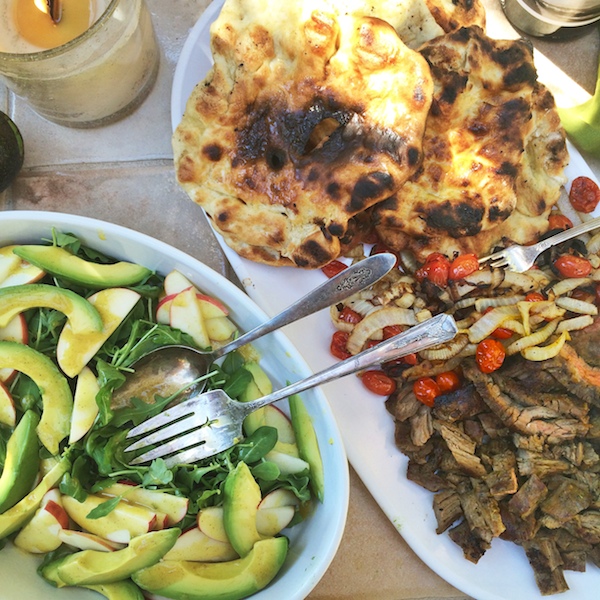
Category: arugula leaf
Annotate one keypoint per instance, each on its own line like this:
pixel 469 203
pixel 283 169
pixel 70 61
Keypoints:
pixel 104 509
pixel 157 474
pixel 256 446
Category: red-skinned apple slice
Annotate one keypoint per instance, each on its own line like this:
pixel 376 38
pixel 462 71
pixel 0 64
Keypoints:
pixel 85 408
pixel 210 522
pixel 74 351
pixel 41 534
pixel 275 417
pixel 8 412
pixel 15 271
pixel 176 282
pixel 288 464
pixel 124 522
pixel 87 541
pixel 163 309
pixel 186 316
pixel 220 329
pixel 277 498
pixel 271 521
pixel 15 331
pixel 195 545
pixel 211 307
pixel 174 507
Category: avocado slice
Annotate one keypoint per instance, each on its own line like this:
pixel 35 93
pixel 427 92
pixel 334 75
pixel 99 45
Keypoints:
pixel 61 263
pixel 260 385
pixel 308 446
pixel 15 517
pixel 82 316
pixel 119 590
pixel 92 567
pixel 57 398
pixel 241 497
pixel 231 580
pixel 22 462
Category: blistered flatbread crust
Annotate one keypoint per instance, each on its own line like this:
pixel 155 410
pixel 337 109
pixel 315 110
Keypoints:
pixel 494 153
pixel 308 118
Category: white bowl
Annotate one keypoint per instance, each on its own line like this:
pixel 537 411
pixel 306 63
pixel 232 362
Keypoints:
pixel 314 542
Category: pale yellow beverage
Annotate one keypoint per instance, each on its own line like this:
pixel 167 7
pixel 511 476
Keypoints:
pixel 93 66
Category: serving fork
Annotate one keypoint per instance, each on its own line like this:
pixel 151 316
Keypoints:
pixel 211 422
pixel 521 258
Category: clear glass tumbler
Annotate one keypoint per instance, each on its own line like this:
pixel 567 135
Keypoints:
pixel 546 17
pixel 96 78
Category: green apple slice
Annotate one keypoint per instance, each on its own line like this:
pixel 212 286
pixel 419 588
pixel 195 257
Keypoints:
pixel 83 317
pixel 62 263
pixel 57 399
pixel 75 349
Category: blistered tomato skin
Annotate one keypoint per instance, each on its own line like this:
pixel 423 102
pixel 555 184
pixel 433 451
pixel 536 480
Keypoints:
pixel 338 346
pixel 559 222
pixel 462 266
pixel 379 383
pixel 350 316
pixel 490 355
pixel 573 266
pixel 435 269
pixel 584 194
pixel 448 381
pixel 426 390
pixel 333 268
pixel 534 297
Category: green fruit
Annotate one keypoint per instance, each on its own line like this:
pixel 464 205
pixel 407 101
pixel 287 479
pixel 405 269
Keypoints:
pixel 11 151
pixel 231 580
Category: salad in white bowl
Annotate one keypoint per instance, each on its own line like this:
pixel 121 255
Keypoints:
pixel 80 302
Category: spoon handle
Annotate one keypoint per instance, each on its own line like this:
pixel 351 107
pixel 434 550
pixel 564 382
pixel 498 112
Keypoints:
pixel 437 330
pixel 351 280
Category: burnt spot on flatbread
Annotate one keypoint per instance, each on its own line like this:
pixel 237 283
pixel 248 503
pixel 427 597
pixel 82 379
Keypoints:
pixel 493 153
pixel 457 219
pixel 373 185
pixel 213 152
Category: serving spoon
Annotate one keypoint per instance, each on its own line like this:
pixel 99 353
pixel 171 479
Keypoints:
pixel 177 369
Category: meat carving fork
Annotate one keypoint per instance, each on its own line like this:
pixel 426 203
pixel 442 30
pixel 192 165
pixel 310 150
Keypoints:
pixel 212 422
pixel 521 258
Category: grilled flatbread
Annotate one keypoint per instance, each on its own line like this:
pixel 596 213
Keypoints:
pixel 494 153
pixel 307 119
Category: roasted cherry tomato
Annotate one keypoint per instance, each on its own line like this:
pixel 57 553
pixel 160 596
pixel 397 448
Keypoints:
pixel 500 333
pixel 573 266
pixel 490 355
pixel 448 381
pixel 462 266
pixel 349 316
pixel 534 297
pixel 381 248
pixel 339 342
pixel 389 331
pixel 557 221
pixel 379 383
pixel 333 268
pixel 584 194
pixel 426 390
pixel 410 359
pixel 435 269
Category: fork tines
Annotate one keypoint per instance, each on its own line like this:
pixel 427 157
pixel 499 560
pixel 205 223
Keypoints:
pixel 177 427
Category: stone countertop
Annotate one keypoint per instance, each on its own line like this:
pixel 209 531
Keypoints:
pixel 123 173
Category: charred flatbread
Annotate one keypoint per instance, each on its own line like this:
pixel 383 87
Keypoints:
pixel 307 119
pixel 494 153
